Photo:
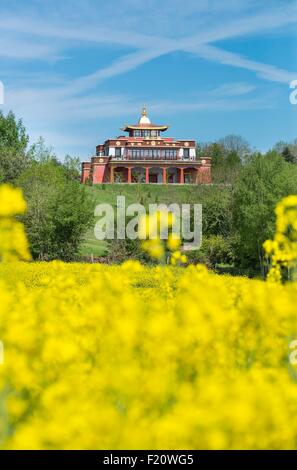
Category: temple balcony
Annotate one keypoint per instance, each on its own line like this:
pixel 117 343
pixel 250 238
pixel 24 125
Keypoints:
pixel 150 154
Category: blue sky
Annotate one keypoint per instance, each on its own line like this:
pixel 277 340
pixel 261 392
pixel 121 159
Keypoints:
pixel 76 71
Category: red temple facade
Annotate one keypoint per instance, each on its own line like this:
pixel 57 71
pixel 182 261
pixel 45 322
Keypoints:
pixel 145 156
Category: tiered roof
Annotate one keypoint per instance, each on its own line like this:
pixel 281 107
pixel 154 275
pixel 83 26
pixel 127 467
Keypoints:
pixel 144 123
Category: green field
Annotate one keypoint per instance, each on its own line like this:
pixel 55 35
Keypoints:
pixel 144 194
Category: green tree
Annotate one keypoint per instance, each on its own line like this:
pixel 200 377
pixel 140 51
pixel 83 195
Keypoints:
pixel 227 156
pixel 59 211
pixel 261 184
pixel 42 153
pixel 288 155
pixel 72 167
pixel 216 212
pixel 236 144
pixel 13 147
pixel 279 146
pixel 215 249
pixel 287 150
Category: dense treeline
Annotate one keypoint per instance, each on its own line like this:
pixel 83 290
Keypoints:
pixel 237 222
pixel 59 208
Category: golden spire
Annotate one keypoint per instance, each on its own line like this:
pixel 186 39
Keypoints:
pixel 144 117
pixel 144 111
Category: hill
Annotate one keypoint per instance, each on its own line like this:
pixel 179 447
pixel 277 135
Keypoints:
pixel 143 194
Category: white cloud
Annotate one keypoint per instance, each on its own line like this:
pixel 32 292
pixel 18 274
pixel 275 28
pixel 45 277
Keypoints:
pixel 264 71
pixel 48 108
pixel 234 89
pixel 24 49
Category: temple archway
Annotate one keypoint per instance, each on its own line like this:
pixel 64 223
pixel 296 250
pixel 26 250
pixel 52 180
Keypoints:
pixel 156 175
pixel 120 174
pixel 138 175
pixel 172 175
pixel 190 175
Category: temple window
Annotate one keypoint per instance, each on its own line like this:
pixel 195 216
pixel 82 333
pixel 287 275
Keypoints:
pixel 144 133
pixel 170 154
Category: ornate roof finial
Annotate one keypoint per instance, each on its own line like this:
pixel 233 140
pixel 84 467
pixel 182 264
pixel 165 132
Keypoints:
pixel 144 111
pixel 144 117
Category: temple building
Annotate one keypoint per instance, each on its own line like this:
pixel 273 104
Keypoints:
pixel 145 156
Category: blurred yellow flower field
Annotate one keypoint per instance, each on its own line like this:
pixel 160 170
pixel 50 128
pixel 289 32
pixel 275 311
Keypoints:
pixel 135 357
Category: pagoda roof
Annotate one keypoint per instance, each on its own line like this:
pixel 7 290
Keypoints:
pixel 144 123
pixel 139 126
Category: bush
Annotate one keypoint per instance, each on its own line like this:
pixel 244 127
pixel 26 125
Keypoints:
pixel 59 211
pixel 214 250
pixel 263 182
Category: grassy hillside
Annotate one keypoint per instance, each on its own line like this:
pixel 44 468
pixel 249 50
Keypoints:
pixel 144 194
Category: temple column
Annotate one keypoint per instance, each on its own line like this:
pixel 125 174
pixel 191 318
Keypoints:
pixel 164 176
pixel 112 174
pixel 181 176
pixel 85 174
pixel 147 177
pixel 129 175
